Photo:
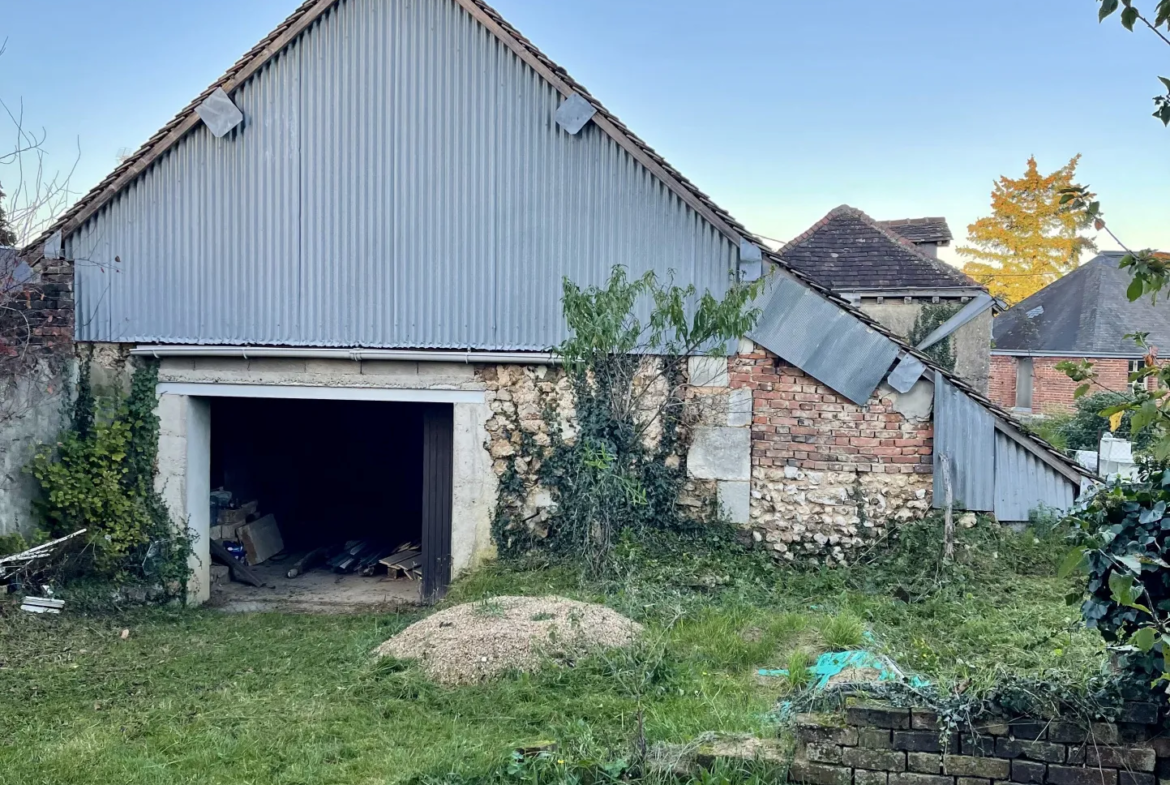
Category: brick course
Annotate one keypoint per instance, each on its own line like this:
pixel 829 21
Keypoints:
pixel 1052 390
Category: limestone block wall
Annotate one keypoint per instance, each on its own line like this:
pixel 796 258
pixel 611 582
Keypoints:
pixel 886 745
pixel 826 475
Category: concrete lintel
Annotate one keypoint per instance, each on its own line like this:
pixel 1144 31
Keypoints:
pixel 721 454
pixel 410 395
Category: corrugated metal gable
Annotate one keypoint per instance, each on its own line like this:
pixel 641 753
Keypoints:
pixel 1024 483
pixel 398 181
pixel 965 432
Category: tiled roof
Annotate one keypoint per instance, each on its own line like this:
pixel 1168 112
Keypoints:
pixel 1085 311
pixel 921 230
pixel 303 16
pixel 849 251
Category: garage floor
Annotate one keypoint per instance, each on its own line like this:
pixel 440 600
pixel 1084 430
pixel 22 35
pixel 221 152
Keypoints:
pixel 317 591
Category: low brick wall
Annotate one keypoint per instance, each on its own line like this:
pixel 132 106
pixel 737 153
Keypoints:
pixel 881 745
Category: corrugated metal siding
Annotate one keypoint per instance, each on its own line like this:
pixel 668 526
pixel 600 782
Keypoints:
pixel 964 431
pixel 823 340
pixel 398 181
pixel 1023 482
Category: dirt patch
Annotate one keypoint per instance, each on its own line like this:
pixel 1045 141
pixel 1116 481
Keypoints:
pixel 855 676
pixel 477 640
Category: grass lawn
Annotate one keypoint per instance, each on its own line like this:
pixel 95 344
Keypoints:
pixel 204 697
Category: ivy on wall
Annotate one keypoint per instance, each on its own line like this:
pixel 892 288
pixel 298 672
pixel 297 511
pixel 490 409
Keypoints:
pixel 930 318
pixel 100 476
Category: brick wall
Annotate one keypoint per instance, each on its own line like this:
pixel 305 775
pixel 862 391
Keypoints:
pixel 881 745
pixel 1052 390
pixel 826 473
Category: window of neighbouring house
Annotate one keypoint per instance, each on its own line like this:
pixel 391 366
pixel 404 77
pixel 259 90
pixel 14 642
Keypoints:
pixel 1024 383
pixel 1134 367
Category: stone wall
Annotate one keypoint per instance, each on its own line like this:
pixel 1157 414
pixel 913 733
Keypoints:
pixel 35 384
pixel 827 474
pixel 882 745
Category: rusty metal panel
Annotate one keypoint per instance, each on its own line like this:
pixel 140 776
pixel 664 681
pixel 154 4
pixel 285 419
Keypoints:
pixel 1024 483
pixel 965 432
pixel 399 181
pixel 822 339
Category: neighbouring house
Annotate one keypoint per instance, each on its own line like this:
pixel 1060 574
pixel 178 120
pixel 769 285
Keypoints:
pixel 353 243
pixel 1085 315
pixel 890 270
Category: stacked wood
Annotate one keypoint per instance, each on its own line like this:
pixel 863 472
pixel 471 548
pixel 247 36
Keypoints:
pixel 41 605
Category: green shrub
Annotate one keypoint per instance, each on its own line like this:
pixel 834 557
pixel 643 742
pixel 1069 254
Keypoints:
pixel 844 631
pixel 99 476
pixel 1083 430
pixel 1127 533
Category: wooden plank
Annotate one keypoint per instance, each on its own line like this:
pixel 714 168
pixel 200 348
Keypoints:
pixel 239 570
pixel 400 556
pixel 261 539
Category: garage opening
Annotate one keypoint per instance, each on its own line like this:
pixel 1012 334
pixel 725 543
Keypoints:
pixel 329 501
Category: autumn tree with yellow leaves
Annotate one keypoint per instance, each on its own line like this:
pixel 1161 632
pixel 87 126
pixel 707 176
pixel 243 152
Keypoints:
pixel 1031 238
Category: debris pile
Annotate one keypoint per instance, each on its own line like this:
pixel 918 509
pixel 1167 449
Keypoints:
pixel 243 538
pixel 479 640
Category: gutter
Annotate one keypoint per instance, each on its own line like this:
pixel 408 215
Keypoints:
pixel 356 355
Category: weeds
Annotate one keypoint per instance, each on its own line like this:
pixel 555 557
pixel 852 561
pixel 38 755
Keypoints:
pixel 844 631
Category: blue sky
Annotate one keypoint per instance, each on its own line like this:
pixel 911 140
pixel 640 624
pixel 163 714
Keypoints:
pixel 779 109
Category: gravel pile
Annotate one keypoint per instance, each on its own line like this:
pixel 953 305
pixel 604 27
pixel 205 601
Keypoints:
pixel 477 640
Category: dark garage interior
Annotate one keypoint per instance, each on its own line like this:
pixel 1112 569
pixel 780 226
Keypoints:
pixel 337 477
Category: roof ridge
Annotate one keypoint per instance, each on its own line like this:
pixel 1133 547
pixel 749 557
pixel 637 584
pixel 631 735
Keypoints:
pixel 844 209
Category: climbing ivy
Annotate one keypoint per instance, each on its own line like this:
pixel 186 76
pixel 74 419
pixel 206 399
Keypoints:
pixel 99 476
pixel 622 469
pixel 930 318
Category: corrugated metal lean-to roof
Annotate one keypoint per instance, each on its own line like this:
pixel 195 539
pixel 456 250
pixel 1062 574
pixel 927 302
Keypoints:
pixel 398 181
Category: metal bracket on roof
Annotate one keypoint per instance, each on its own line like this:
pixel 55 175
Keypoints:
pixel 53 246
pixel 906 373
pixel 574 113
pixel 751 261
pixel 219 113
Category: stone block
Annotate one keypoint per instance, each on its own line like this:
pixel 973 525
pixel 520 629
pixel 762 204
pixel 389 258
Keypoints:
pixel 974 766
pixel 823 753
pixel 910 778
pixel 220 573
pixel 404 370
pixel 923 719
pixel 276 365
pixel 977 745
pixel 735 500
pixel 878 716
pixel 708 371
pixel 924 762
pixel 874 760
pixel 1028 731
pixel 739 407
pixel 918 741
pixel 1135 778
pixel 1073 733
pixel 721 454
pixel 812 731
pixel 326 367
pixel 1141 713
pixel 1027 772
pixel 1078 775
pixel 221 364
pixel 1132 758
pixel 445 372
pixel 819 774
pixel 863 777
pixel 1031 750
pixel 874 738
pixel 971 781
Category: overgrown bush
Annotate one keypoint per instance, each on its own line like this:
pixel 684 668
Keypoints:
pixel 628 381
pixel 1126 534
pixel 99 476
pixel 1084 429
